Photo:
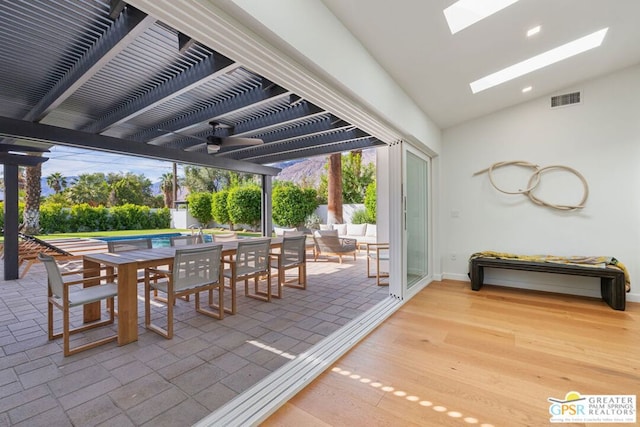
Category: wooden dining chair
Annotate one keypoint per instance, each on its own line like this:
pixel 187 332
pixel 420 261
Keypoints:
pixel 293 254
pixel 225 237
pixel 251 261
pixel 125 245
pixel 61 296
pixel 128 244
pixel 194 270
pixel 192 239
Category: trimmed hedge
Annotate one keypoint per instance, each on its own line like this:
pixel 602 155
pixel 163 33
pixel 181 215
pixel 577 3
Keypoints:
pixel 219 210
pixel 292 204
pixel 54 218
pixel 244 205
pixel 199 205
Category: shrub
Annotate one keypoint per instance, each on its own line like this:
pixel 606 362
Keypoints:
pixel 88 218
pixel 219 209
pixel 361 216
pixel 312 222
pixel 200 207
pixel 160 218
pixel 370 201
pixel 244 205
pixel 130 217
pixel 54 218
pixel 291 204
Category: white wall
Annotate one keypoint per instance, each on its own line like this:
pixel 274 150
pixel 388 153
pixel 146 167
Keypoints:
pixel 348 209
pixel 181 218
pixel 599 137
pixel 339 56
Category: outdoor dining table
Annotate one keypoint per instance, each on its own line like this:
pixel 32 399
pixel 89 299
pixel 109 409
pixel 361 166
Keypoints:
pixel 128 263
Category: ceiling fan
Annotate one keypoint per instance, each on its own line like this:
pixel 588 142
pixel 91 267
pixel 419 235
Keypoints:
pixel 215 143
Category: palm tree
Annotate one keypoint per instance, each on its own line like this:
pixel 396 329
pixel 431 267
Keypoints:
pixel 166 186
pixel 31 214
pixel 57 182
pixel 91 189
pixel 334 193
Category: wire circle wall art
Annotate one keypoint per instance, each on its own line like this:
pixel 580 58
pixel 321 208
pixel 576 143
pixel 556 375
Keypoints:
pixel 534 180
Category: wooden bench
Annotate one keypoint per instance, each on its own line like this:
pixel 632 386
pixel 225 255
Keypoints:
pixel 612 280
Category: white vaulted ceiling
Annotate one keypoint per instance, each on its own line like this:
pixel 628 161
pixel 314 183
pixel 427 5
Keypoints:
pixel 412 42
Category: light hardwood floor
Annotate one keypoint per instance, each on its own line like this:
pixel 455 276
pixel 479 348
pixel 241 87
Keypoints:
pixel 451 356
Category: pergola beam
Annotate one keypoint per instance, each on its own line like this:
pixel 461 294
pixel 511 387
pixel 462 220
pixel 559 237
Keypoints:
pixel 125 29
pixel 115 8
pixel 55 135
pixel 184 42
pixel 209 69
pixel 325 138
pixel 338 147
pixel 21 160
pixel 22 148
pixel 250 99
pixel 263 124
pixel 306 130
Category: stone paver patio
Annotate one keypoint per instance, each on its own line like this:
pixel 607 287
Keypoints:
pixel 158 382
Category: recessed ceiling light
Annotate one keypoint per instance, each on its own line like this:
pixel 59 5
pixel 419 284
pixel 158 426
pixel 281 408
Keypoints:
pixel 533 31
pixel 527 89
pixel 539 61
pixel 464 13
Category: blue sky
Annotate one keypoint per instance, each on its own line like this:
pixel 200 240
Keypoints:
pixel 74 161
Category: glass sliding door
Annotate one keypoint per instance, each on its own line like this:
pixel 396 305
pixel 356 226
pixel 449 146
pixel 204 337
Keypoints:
pixel 416 217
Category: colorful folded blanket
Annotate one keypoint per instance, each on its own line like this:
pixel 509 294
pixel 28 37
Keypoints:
pixel 584 261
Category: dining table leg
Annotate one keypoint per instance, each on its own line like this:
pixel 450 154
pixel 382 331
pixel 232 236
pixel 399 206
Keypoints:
pixel 91 312
pixel 127 303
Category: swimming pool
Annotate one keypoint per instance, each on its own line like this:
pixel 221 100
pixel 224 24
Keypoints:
pixel 157 240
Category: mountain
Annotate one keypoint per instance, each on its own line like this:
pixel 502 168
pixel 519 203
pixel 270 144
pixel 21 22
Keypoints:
pixel 306 170
pixel 309 170
pixel 298 171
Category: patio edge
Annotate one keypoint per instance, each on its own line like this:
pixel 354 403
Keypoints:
pixel 264 398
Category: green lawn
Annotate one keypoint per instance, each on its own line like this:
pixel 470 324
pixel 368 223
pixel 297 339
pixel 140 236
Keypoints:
pixel 95 234
pixel 91 234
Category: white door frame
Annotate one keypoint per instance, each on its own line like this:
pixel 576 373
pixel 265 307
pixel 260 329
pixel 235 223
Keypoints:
pixel 398 197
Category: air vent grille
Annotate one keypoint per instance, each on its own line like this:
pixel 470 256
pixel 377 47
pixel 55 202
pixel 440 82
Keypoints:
pixel 566 99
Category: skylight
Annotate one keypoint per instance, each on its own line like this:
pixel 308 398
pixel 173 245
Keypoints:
pixel 539 61
pixel 464 13
pixel 533 31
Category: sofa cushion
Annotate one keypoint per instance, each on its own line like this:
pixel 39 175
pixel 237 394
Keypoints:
pixel 320 233
pixel 372 230
pixel 356 229
pixel 279 231
pixel 326 227
pixel 342 229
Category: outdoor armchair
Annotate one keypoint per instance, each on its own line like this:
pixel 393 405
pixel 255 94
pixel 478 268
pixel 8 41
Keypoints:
pixel 61 296
pixel 292 255
pixel 328 243
pixel 250 262
pixel 194 270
